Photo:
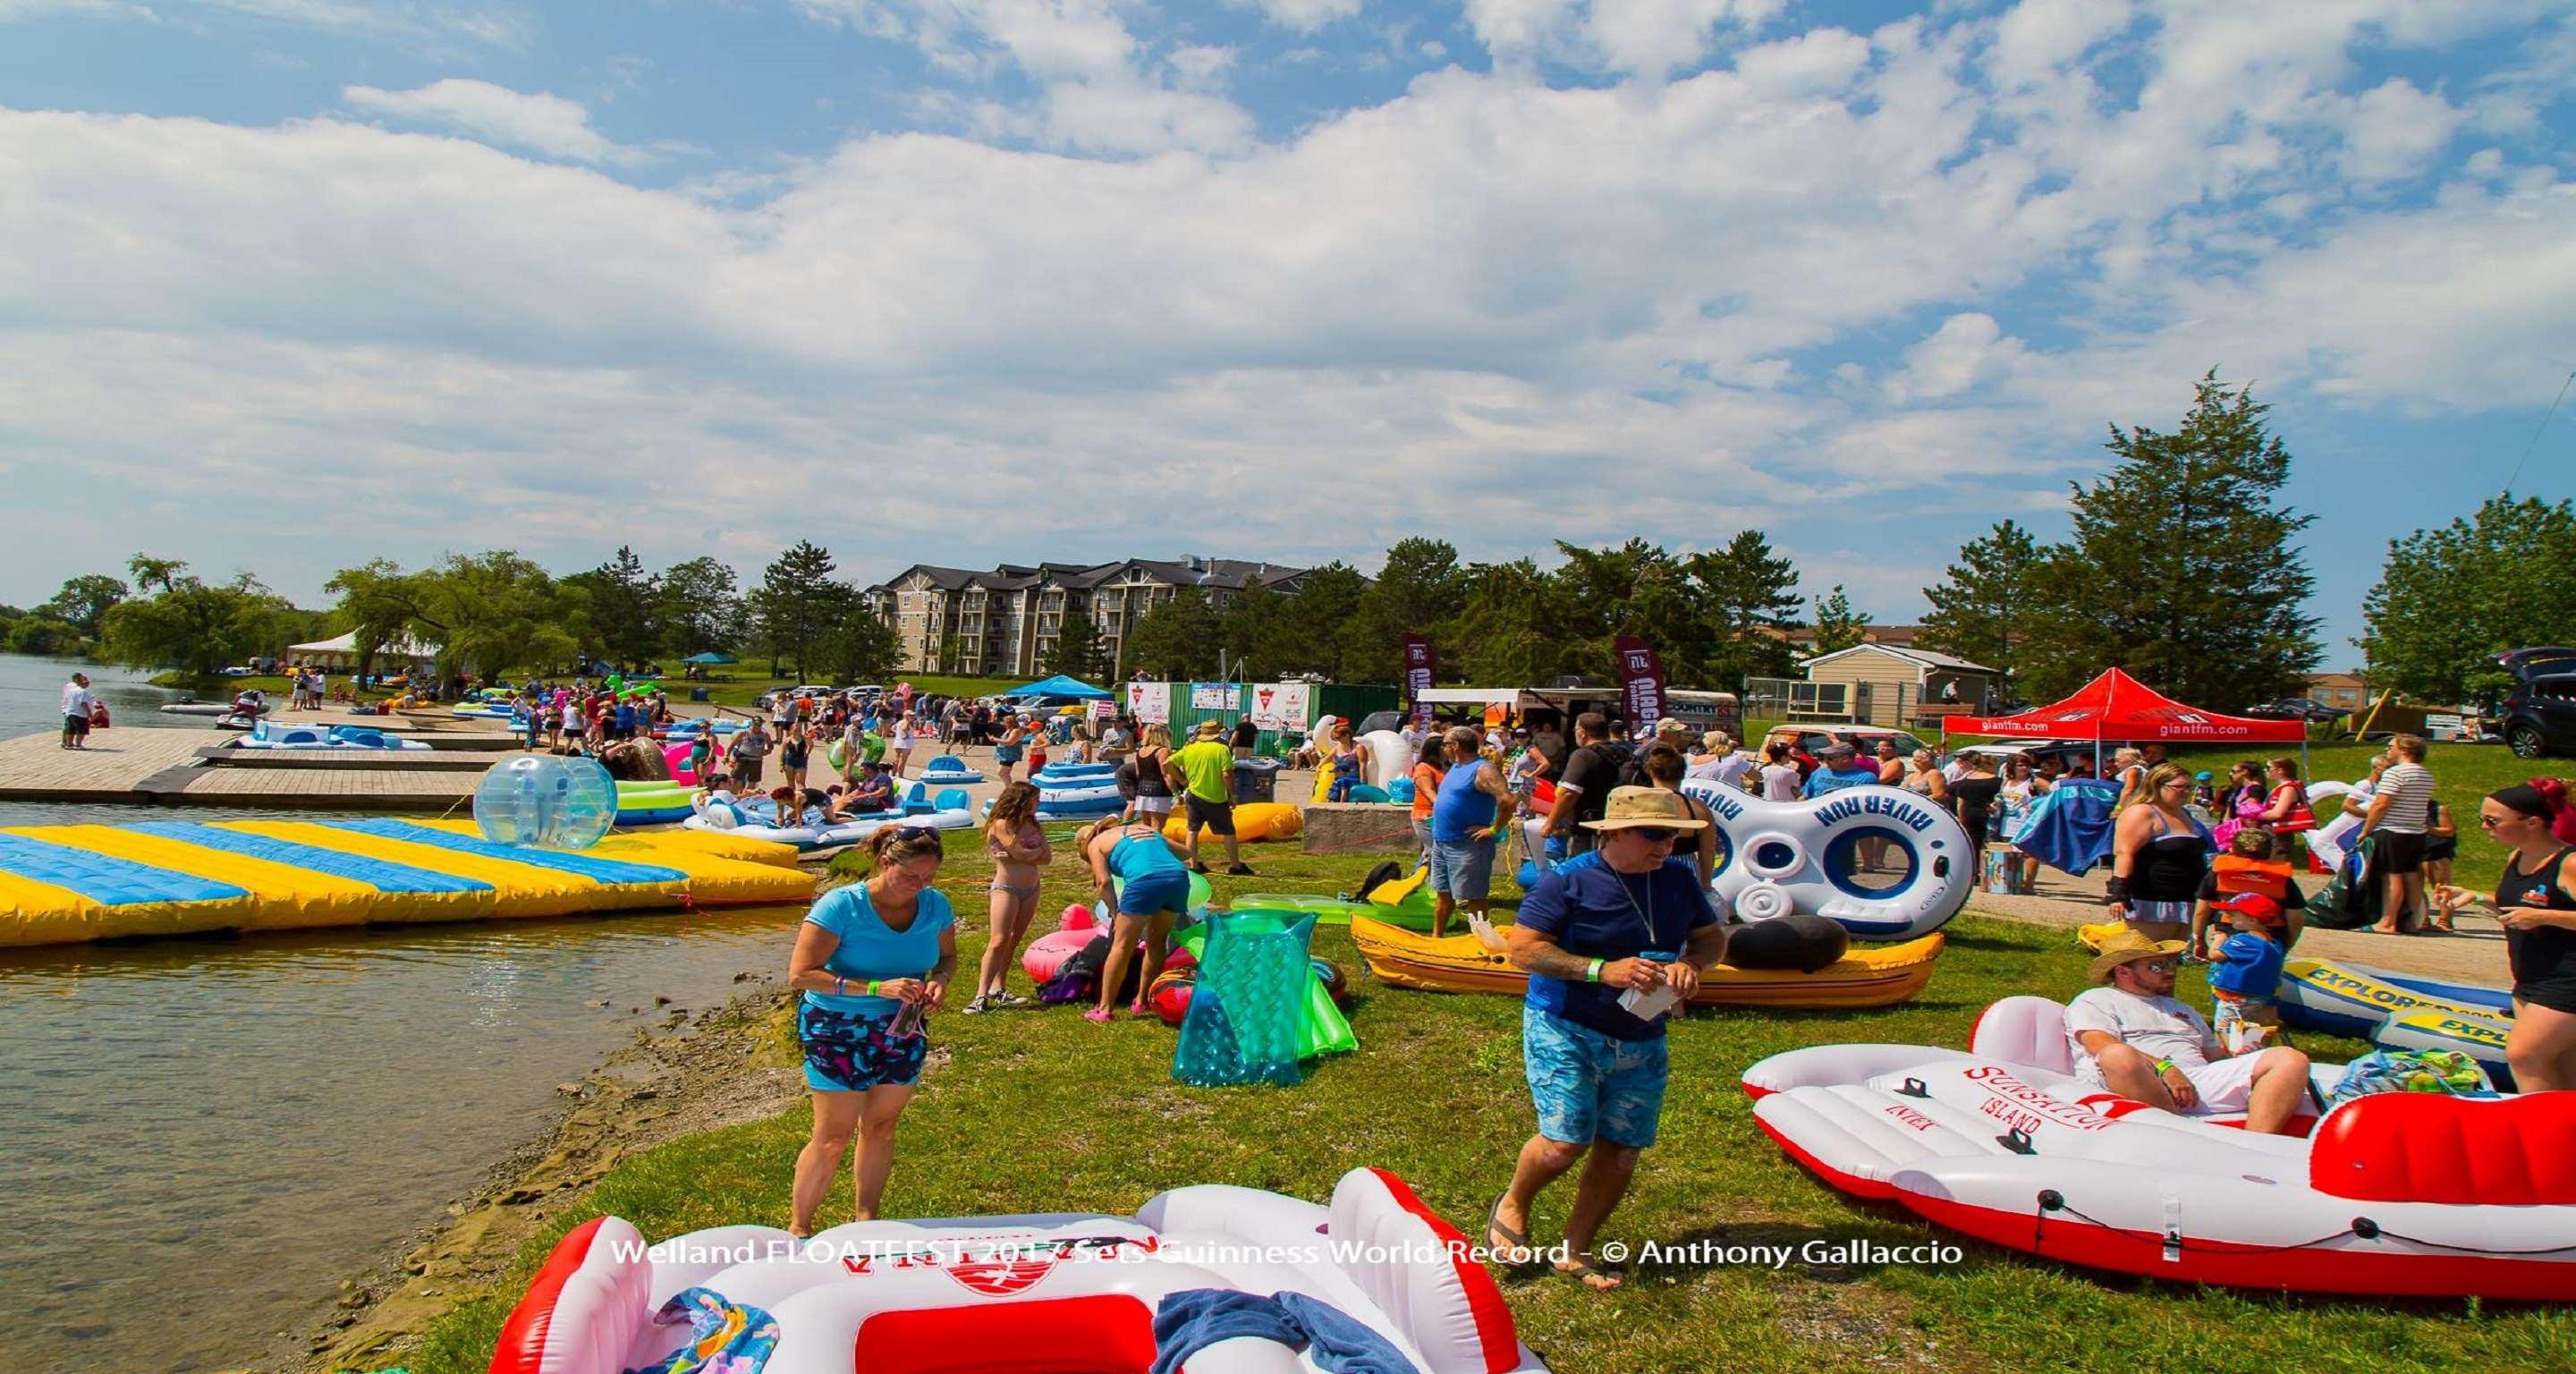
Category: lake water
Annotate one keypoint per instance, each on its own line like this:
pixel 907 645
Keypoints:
pixel 203 1137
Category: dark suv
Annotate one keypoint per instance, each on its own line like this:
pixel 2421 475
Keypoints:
pixel 2540 712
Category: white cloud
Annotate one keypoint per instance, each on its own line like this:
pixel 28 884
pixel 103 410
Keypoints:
pixel 546 124
pixel 1967 350
pixel 86 9
pixel 1647 36
pixel 2394 130
pixel 1304 16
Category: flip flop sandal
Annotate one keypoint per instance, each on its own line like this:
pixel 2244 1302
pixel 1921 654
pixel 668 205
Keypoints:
pixel 1583 1271
pixel 1515 1243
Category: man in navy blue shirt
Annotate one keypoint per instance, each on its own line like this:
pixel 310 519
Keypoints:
pixel 1626 918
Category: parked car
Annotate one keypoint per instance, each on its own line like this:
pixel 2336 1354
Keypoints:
pixel 2540 715
pixel 765 699
pixel 1812 739
pixel 2309 709
pixel 238 671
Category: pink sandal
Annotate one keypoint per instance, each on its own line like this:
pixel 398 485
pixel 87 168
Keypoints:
pixel 1101 1015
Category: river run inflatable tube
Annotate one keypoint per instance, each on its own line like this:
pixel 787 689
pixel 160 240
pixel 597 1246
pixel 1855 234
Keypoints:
pixel 2396 1011
pixel 1869 976
pixel 1803 857
pixel 1173 1288
pixel 68 883
pixel 2401 1194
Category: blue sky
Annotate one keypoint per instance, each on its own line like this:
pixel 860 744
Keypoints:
pixel 289 284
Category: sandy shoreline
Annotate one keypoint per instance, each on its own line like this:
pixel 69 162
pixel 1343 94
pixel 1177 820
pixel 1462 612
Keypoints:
pixel 720 1067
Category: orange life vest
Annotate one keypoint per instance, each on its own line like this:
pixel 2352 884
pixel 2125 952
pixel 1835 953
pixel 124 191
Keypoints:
pixel 2236 875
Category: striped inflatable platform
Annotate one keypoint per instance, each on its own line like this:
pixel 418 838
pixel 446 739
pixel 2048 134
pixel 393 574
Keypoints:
pixel 65 883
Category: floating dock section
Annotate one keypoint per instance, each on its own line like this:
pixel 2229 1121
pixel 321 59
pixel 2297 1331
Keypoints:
pixel 68 883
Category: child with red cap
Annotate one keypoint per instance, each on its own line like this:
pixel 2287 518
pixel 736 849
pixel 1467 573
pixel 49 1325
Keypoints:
pixel 2245 970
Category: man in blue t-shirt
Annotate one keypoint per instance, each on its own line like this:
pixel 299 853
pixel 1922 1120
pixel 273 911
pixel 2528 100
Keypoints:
pixel 1837 769
pixel 1625 921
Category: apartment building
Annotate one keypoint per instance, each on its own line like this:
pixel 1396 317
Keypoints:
pixel 1003 623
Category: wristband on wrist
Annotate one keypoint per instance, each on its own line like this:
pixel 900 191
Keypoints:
pixel 872 987
pixel 2164 1066
pixel 840 985
pixel 1592 973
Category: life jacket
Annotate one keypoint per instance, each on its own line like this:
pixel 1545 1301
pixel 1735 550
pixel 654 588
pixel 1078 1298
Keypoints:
pixel 2235 875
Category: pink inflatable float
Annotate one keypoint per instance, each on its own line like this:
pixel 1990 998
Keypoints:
pixel 1074 1293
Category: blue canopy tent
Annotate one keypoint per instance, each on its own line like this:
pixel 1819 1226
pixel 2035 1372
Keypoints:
pixel 1060 686
pixel 710 657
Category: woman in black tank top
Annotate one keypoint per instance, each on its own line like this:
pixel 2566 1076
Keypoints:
pixel 2158 858
pixel 2539 916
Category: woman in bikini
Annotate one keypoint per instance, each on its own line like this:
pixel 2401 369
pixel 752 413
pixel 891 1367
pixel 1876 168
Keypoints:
pixel 1019 850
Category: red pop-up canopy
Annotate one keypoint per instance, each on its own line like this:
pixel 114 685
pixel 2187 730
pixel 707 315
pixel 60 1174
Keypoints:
pixel 2116 706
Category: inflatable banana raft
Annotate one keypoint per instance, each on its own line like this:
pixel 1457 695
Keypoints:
pixel 1208 1279
pixel 1869 976
pixel 1254 822
pixel 2405 1194
pixel 60 884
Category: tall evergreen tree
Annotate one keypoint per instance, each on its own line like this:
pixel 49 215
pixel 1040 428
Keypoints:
pixel 1838 626
pixel 700 608
pixel 2451 599
pixel 1076 651
pixel 624 606
pixel 853 645
pixel 1177 640
pixel 796 601
pixel 1986 599
pixel 1747 597
pixel 1636 589
pixel 1505 635
pixel 1319 617
pixel 1419 591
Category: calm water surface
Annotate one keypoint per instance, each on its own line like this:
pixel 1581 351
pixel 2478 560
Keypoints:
pixel 200 1138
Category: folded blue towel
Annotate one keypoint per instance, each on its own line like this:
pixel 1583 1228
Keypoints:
pixel 1193 1319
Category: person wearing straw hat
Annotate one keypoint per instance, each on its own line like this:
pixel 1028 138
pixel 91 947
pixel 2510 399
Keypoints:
pixel 2133 1038
pixel 1613 940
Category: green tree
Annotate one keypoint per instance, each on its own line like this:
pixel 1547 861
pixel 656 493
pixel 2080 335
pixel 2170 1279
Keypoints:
pixel 493 611
pixel 1252 629
pixel 854 645
pixel 2181 568
pixel 1838 626
pixel 1076 649
pixel 83 602
pixel 43 635
pixel 795 602
pixel 379 602
pixel 1316 622
pixel 947 654
pixel 700 608
pixel 624 602
pixel 149 572
pixel 2451 599
pixel 192 626
pixel 1419 591
pixel 1505 635
pixel 1177 640
pixel 1748 597
pixel 1986 599
pixel 1636 589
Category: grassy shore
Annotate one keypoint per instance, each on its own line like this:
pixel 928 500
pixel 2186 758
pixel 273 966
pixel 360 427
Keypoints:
pixel 1043 1111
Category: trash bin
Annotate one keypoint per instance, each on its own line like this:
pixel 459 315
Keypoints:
pixel 1256 780
pixel 697 694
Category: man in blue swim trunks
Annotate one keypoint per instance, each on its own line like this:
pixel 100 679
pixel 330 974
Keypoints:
pixel 1613 940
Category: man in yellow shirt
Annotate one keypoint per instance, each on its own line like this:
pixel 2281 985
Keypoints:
pixel 1203 773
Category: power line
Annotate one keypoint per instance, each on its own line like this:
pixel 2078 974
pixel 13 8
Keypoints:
pixel 2535 434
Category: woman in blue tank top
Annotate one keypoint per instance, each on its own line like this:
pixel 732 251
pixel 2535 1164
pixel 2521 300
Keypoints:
pixel 1138 877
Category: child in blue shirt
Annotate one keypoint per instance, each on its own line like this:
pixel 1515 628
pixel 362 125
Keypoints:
pixel 2245 971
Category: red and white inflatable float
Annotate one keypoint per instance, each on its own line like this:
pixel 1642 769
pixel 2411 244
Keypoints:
pixel 1065 1293
pixel 2423 1195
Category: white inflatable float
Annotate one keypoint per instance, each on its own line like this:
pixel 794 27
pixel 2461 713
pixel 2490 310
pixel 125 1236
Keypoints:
pixel 831 836
pixel 268 734
pixel 2413 1194
pixel 1803 858
pixel 1060 1291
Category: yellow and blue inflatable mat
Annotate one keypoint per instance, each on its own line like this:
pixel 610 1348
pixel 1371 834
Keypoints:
pixel 67 883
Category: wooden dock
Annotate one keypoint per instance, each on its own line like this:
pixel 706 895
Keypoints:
pixel 142 765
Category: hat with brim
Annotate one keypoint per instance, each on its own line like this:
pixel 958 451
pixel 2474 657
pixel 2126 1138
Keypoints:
pixel 1210 727
pixel 2128 947
pixel 1635 808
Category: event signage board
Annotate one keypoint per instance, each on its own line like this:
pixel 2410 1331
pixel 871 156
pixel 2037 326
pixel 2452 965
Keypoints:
pixel 1150 702
pixel 1214 696
pixel 1641 675
pixel 1418 674
pixel 1279 706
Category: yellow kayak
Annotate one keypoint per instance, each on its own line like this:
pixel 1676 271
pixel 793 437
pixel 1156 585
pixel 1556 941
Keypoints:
pixel 1867 976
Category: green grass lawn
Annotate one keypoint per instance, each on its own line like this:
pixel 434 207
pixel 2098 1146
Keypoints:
pixel 1041 1111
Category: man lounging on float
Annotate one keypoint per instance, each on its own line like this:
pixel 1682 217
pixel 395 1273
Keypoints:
pixel 2132 1038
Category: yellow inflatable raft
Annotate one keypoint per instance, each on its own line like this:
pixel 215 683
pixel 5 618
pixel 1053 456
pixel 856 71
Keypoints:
pixel 67 883
pixel 1253 821
pixel 1868 976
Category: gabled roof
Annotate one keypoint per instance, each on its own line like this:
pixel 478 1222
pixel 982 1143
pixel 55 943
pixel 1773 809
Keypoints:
pixel 1920 658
